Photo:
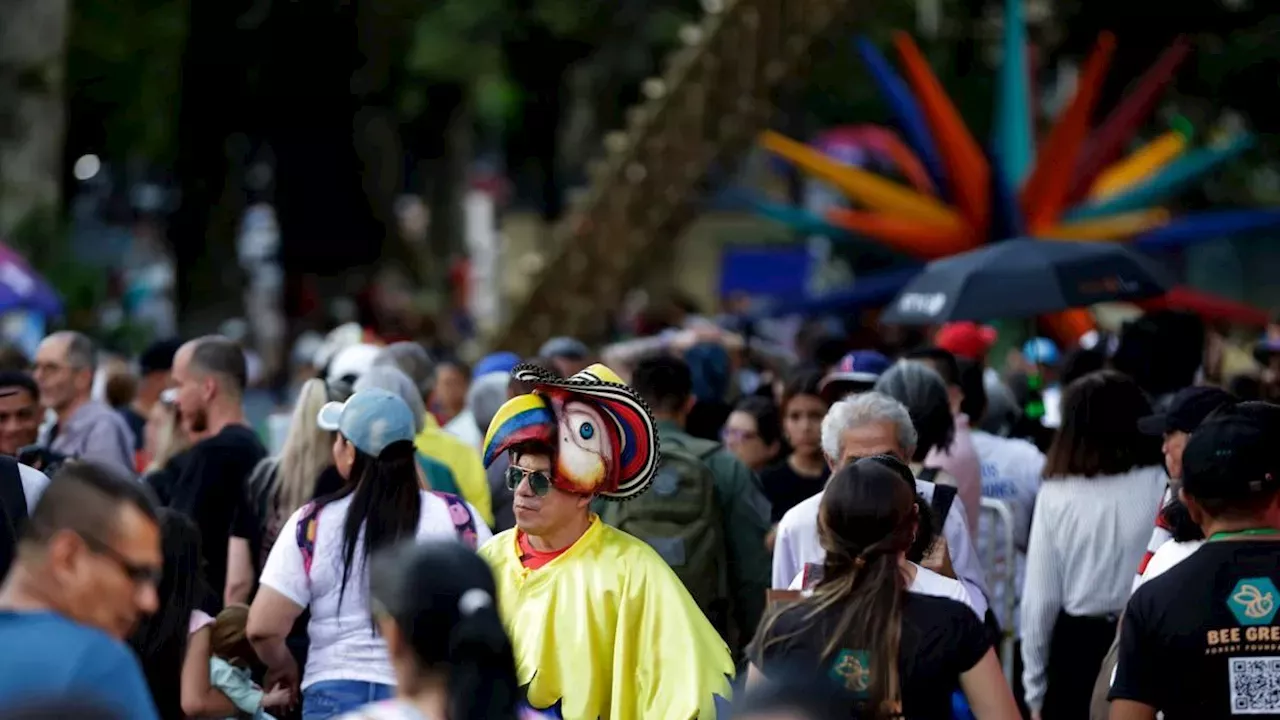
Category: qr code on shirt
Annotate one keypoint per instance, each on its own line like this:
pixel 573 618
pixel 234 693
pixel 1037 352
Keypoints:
pixel 1255 685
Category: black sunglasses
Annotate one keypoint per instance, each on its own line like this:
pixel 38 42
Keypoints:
pixel 138 574
pixel 539 481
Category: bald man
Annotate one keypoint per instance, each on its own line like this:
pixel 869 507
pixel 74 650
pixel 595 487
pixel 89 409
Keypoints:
pixel 86 428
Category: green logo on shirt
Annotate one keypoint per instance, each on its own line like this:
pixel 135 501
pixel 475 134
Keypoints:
pixel 852 669
pixel 1254 601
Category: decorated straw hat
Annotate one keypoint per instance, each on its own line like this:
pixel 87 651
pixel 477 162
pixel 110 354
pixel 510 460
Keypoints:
pixel 604 436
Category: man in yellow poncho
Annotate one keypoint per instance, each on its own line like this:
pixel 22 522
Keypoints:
pixel 602 627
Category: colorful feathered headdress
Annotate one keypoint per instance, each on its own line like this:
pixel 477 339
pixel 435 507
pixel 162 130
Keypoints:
pixel 602 434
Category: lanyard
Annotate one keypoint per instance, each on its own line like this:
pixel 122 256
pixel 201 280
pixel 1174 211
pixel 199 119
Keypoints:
pixel 1236 533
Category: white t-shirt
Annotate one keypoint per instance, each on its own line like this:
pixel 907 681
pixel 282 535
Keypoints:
pixel 797 544
pixel 343 644
pixel 925 582
pixel 1011 474
pixel 34 483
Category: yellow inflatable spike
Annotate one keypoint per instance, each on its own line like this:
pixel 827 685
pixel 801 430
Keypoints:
pixel 1121 226
pixel 865 188
pixel 1145 162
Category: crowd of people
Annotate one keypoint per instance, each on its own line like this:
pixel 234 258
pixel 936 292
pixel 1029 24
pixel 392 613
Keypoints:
pixel 700 523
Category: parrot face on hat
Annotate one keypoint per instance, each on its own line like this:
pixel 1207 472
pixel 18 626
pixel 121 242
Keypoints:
pixel 585 456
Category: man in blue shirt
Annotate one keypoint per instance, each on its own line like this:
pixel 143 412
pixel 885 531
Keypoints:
pixel 86 572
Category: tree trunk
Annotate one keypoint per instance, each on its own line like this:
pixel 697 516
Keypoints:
pixel 214 109
pixel 32 115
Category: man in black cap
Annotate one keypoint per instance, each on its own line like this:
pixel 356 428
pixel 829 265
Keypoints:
pixel 1202 640
pixel 1187 409
pixel 154 366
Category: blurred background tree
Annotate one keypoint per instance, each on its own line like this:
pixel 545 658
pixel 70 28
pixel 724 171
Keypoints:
pixel 353 102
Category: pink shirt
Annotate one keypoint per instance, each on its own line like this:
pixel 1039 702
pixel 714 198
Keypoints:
pixel 960 461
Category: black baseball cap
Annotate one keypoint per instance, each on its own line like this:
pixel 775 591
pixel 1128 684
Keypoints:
pixel 1188 408
pixel 1231 456
pixel 158 356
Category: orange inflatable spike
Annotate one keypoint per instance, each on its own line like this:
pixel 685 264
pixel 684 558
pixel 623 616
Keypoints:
pixel 1116 227
pixel 909 165
pixel 865 188
pixel 968 172
pixel 1067 327
pixel 1046 191
pixel 919 239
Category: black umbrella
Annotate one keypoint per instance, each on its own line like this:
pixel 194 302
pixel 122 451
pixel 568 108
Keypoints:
pixel 1021 278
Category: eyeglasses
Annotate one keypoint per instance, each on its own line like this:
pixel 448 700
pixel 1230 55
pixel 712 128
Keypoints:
pixel 539 481
pixel 138 574
pixel 736 435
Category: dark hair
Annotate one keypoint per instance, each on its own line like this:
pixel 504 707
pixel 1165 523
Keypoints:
pixel 453 362
pixel 1181 526
pixel 765 412
pixel 927 524
pixel 924 393
pixel 866 519
pixel 85 497
pixel 1246 387
pixel 1099 432
pixel 443 598
pixel 385 504
pixel 942 361
pixel 161 640
pixel 520 387
pixel 217 355
pixel 158 356
pixel 13 359
pixel 121 388
pixel 973 385
pixel 663 381
pixel 17 379
pixel 1081 362
pixel 801 381
pixel 1162 350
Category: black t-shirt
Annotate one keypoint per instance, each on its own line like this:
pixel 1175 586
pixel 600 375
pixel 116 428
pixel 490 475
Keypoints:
pixel 207 482
pixel 1202 640
pixel 137 423
pixel 941 639
pixel 787 488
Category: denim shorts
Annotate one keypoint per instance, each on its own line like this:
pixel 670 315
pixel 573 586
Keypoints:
pixel 331 698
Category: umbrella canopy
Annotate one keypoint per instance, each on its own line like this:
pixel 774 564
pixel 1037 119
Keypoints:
pixel 1021 278
pixel 22 289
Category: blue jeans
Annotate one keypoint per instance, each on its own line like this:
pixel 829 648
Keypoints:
pixel 331 698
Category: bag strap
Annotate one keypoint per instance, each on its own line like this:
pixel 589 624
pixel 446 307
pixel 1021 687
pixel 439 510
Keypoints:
pixel 943 496
pixel 463 523
pixel 927 474
pixel 305 535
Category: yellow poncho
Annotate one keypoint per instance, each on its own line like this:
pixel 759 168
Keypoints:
pixel 606 630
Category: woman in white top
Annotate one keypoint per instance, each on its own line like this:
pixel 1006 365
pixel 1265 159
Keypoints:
pixel 319 560
pixel 1092 519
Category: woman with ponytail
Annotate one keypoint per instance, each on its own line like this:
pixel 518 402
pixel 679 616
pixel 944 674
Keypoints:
pixel 319 560
pixel 867 625
pixel 435 604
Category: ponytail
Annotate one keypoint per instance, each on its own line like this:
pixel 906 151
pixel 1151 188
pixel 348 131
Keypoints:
pixel 866 522
pixel 480 668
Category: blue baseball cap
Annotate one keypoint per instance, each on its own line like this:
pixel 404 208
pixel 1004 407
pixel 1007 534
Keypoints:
pixel 856 372
pixel 1041 351
pixel 503 362
pixel 370 419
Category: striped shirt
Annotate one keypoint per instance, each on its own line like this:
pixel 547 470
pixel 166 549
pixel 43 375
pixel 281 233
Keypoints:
pixel 1087 536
